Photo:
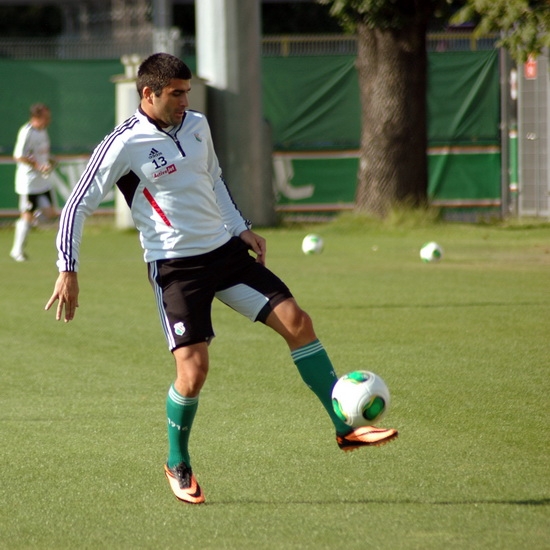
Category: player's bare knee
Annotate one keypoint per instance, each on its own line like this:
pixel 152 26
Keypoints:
pixel 300 329
pixel 304 325
pixel 189 382
pixel 191 369
pixel 293 323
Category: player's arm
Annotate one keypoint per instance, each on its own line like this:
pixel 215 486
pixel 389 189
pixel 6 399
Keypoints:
pixel 22 151
pixel 29 161
pixel 49 167
pixel 96 181
pixel 233 219
pixel 66 294
pixel 235 222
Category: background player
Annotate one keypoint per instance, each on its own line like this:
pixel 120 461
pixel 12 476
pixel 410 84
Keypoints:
pixel 34 164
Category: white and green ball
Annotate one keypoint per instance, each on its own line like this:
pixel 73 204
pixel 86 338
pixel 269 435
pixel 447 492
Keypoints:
pixel 360 398
pixel 431 252
pixel 312 244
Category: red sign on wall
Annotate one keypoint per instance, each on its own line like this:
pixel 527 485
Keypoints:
pixel 530 68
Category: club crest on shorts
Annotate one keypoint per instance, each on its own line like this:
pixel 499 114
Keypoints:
pixel 179 328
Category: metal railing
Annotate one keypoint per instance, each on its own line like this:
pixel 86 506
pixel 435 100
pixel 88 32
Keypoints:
pixel 141 43
pixel 303 45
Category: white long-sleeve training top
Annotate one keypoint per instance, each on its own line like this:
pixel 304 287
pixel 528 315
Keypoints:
pixel 35 144
pixel 172 182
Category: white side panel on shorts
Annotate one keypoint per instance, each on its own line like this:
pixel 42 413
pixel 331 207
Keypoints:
pixel 245 300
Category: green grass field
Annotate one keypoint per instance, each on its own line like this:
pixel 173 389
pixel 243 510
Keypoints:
pixel 463 346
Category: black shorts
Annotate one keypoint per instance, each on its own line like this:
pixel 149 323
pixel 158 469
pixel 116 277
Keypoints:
pixel 186 287
pixel 36 201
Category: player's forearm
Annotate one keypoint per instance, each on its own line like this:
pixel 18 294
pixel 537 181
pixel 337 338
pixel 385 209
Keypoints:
pixel 30 161
pixel 232 217
pixel 69 236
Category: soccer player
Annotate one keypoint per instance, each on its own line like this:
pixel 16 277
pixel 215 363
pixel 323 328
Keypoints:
pixel 197 246
pixel 34 164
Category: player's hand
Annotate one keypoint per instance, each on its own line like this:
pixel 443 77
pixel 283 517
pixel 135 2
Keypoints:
pixel 48 168
pixel 66 292
pixel 45 169
pixel 256 243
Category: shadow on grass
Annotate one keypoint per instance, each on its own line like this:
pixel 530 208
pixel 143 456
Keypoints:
pixel 438 306
pixel 523 502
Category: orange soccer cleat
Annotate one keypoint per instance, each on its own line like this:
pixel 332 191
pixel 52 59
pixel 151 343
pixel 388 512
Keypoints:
pixel 183 484
pixel 365 436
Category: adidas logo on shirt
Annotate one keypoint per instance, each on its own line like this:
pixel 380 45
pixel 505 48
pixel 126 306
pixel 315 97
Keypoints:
pixel 154 153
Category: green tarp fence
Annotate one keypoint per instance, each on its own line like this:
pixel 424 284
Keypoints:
pixel 312 105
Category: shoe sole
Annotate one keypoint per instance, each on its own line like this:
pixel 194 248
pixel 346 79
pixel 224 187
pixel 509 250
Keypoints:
pixel 354 446
pixel 195 495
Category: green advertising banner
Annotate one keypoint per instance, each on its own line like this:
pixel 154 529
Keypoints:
pixel 315 107
pixel 80 95
pixel 312 105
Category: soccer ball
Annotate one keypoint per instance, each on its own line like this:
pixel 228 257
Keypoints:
pixel 312 244
pixel 431 252
pixel 360 398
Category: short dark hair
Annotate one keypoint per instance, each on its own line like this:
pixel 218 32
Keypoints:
pixel 157 71
pixel 38 109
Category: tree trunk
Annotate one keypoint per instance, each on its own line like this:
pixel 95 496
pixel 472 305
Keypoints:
pixel 392 73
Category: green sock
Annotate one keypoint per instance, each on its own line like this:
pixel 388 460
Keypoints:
pixel 180 412
pixel 318 373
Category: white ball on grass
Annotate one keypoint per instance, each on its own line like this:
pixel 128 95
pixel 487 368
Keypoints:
pixel 312 244
pixel 431 252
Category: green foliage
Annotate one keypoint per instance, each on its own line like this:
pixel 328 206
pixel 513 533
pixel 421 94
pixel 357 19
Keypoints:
pixel 461 345
pixel 383 14
pixel 524 24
